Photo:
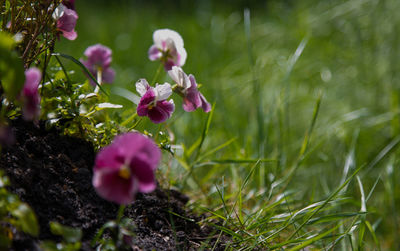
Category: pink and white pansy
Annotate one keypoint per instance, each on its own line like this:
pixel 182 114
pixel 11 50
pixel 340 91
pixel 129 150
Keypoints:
pixel 168 48
pixel 153 102
pixel 186 86
pixel 66 21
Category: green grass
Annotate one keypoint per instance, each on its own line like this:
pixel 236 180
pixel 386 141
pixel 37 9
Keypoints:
pixel 301 148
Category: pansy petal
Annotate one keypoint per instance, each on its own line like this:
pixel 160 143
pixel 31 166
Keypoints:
pixel 163 91
pixel 111 186
pixel 70 35
pixel 108 75
pixel 181 56
pixel 32 81
pixel 154 53
pixel 99 56
pixel 180 77
pixel 204 104
pixel 142 86
pixel 144 174
pixel 66 23
pixel 161 112
pixel 110 157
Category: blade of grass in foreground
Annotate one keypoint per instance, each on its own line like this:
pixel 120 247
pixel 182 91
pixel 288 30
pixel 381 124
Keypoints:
pixel 257 96
pixel 375 161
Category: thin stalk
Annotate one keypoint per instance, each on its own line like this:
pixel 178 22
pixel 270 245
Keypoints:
pixel 128 120
pixel 257 95
pixel 99 79
pixel 156 75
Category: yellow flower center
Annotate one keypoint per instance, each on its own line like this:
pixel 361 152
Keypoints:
pixel 124 172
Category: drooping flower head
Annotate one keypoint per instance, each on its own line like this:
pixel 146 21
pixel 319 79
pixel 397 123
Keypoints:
pixel 29 95
pixel 186 86
pixel 153 103
pixel 66 21
pixel 99 59
pixel 168 47
pixel 125 167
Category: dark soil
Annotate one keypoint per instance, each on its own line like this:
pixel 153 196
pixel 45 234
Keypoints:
pixel 53 174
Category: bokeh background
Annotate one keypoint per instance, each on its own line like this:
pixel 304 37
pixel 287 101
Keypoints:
pixel 266 75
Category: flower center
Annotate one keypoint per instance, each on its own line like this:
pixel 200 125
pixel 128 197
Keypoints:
pixel 124 172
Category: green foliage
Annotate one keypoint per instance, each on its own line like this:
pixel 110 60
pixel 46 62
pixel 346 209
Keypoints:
pixel 71 238
pixel 14 213
pixel 318 79
pixel 11 69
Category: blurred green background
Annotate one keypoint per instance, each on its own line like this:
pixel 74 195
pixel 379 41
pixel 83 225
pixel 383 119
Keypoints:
pixel 265 86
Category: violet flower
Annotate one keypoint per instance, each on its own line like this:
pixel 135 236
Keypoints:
pixel 125 167
pixel 98 63
pixel 153 103
pixel 30 95
pixel 66 21
pixel 168 47
pixel 186 86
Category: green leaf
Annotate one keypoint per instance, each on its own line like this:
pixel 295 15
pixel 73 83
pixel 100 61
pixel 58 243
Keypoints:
pixel 70 234
pixel 12 75
pixel 26 219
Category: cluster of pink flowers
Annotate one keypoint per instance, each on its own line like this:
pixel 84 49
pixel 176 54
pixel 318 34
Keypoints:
pixel 128 164
pixel 168 48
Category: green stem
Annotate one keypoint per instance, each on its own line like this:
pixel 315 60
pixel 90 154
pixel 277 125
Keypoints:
pixel 157 73
pixel 128 120
pixel 120 214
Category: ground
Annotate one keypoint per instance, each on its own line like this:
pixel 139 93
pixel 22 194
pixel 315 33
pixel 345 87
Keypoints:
pixel 53 174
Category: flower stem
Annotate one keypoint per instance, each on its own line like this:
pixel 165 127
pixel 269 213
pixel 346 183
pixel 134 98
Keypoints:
pixel 124 123
pixel 156 75
pixel 99 79
pixel 120 214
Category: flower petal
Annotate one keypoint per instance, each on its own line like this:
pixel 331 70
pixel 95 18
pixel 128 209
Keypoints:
pixel 142 86
pixel 204 104
pixel 180 77
pixel 67 22
pixel 108 75
pixel 154 53
pixel 161 112
pixel 163 91
pixel 111 186
pixel 144 173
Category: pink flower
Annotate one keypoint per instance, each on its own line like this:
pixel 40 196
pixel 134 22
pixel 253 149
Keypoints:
pixel 66 21
pixel 30 95
pixel 187 88
pixel 168 47
pixel 99 59
pixel 125 167
pixel 153 102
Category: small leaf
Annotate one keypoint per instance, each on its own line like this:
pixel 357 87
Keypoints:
pixel 26 219
pixel 70 234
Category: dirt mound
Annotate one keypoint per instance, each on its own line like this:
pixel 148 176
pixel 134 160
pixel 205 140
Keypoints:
pixel 53 174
